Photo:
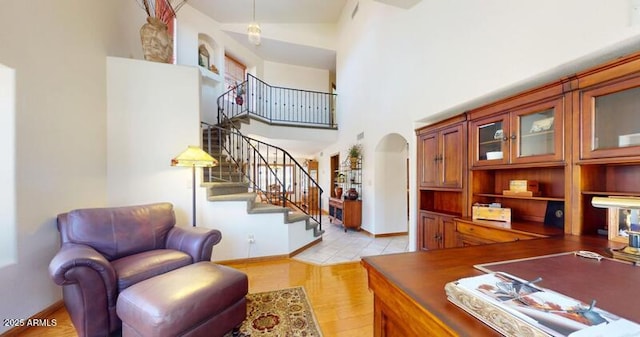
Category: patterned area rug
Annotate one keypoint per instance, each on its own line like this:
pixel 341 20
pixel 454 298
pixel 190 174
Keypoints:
pixel 280 313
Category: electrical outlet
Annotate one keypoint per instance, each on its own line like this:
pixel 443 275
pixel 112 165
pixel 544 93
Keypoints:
pixel 251 239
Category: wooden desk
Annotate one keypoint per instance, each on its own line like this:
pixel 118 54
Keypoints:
pixel 409 296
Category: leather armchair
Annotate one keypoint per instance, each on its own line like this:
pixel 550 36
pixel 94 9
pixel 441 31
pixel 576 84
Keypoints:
pixel 105 250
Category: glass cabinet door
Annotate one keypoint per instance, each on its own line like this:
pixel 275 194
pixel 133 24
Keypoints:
pixel 611 120
pixel 489 140
pixel 529 134
pixel 537 132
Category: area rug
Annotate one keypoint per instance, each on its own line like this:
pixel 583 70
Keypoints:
pixel 280 313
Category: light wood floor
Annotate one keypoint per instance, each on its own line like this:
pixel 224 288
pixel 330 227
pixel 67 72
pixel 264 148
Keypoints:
pixel 338 294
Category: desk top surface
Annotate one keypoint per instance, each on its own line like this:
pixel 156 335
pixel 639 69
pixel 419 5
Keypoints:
pixel 423 275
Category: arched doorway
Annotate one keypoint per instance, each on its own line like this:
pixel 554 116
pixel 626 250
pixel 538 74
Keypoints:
pixel 391 185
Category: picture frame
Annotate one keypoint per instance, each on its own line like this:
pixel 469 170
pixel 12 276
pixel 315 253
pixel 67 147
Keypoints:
pixel 620 220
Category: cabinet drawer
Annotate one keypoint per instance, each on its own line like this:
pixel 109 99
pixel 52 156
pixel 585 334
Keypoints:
pixel 492 234
pixel 471 240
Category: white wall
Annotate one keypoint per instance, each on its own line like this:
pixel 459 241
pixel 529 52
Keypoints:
pixel 292 76
pixel 153 115
pixel 272 236
pixel 397 68
pixel 57 49
pixel 191 23
pixel 8 244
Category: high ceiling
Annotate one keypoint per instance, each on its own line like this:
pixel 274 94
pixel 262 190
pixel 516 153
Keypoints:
pixel 278 12
pixel 271 11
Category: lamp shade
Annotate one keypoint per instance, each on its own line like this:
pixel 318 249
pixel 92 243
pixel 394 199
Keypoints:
pixel 620 202
pixel 194 156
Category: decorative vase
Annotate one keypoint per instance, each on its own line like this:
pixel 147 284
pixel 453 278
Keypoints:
pixel 338 191
pixel 157 44
pixel 352 194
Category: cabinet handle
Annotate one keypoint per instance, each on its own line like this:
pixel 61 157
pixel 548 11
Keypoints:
pixel 513 136
pixel 505 139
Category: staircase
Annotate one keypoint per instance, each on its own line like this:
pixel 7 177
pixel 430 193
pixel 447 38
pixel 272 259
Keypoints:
pixel 234 180
pixel 257 187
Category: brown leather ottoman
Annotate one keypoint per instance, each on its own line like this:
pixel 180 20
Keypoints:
pixel 202 299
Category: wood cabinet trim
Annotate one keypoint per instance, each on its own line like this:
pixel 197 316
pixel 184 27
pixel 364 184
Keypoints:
pixel 441 124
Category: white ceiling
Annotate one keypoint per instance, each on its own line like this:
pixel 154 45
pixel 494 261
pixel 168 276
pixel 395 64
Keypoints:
pixel 278 12
pixel 271 11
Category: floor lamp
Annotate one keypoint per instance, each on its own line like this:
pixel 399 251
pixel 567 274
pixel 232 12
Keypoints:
pixel 194 157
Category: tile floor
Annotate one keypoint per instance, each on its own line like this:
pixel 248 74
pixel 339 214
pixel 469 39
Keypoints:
pixel 340 247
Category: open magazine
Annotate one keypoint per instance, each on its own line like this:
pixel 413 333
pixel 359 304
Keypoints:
pixel 500 299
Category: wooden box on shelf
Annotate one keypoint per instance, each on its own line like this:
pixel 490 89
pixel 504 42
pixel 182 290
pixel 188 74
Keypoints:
pixel 521 193
pixel 491 213
pixel 523 186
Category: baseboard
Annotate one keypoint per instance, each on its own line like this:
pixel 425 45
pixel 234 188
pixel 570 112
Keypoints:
pixel 271 257
pixel 47 312
pixel 384 234
pixel 301 249
pixel 390 234
pixel 253 259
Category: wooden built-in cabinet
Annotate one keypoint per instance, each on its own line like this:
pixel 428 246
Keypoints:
pixel 436 231
pixel 578 137
pixel 607 158
pixel 441 178
pixel 441 156
pixel 520 138
pixel 610 119
pixel 592 148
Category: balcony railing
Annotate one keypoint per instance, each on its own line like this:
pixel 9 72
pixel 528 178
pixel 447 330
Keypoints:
pixel 278 105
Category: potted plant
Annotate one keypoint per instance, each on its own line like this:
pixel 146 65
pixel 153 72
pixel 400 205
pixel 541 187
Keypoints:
pixel 355 151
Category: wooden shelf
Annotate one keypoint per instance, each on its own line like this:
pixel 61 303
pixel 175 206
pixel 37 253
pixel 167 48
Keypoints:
pixel 517 197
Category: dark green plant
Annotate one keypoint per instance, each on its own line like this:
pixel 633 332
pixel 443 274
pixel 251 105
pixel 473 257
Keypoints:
pixel 355 151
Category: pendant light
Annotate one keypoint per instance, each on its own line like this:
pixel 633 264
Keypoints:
pixel 253 31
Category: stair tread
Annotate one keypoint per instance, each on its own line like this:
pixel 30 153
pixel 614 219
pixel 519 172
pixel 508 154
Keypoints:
pixel 233 197
pixel 267 208
pixel 297 216
pixel 225 184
